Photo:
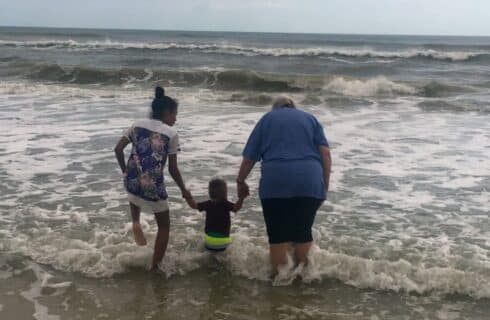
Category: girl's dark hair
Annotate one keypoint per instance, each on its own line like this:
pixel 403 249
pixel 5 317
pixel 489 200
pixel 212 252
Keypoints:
pixel 217 190
pixel 162 104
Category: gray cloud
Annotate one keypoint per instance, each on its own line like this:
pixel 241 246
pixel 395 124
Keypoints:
pixel 460 17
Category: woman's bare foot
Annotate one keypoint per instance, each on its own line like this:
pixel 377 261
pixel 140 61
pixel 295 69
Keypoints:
pixel 139 236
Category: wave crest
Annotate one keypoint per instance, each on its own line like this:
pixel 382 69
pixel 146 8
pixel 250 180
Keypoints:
pixel 369 87
pixel 213 79
pixel 233 49
pixel 236 80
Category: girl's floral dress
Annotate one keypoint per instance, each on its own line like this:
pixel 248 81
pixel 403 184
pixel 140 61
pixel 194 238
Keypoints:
pixel 152 141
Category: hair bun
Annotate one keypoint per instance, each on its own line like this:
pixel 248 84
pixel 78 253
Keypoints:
pixel 159 92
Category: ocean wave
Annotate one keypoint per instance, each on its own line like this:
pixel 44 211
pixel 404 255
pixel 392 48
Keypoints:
pixel 260 99
pixel 213 79
pixel 28 88
pixel 233 49
pixel 434 89
pixel 460 105
pixel 237 80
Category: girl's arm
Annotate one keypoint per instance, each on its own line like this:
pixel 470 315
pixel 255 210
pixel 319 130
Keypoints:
pixel 175 173
pixel 119 150
pixel 191 202
pixel 327 164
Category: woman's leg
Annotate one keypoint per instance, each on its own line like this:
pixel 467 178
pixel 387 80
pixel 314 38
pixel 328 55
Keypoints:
pixel 305 209
pixel 163 223
pixel 301 251
pixel 276 216
pixel 278 253
pixel 139 236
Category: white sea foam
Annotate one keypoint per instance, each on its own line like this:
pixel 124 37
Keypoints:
pixel 6 273
pixel 41 312
pixel 398 276
pixel 390 228
pixel 369 87
pixel 39 90
pixel 248 257
pixel 449 312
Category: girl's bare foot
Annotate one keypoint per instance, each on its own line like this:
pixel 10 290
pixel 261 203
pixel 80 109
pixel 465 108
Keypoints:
pixel 139 236
pixel 155 269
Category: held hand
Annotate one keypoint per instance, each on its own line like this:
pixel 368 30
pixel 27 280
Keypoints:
pixel 242 190
pixel 186 194
pixel 189 201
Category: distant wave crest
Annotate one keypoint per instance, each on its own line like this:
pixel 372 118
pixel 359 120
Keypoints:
pixel 354 52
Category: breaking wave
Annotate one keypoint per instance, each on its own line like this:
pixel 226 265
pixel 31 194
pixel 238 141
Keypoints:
pixel 228 80
pixel 214 79
pixel 369 87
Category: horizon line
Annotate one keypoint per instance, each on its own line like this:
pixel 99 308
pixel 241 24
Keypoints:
pixel 273 32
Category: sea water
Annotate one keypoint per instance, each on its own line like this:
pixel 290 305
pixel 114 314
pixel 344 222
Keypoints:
pixel 404 233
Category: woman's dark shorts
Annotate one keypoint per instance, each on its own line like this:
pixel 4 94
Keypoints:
pixel 290 219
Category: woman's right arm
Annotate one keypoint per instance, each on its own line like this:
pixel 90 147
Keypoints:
pixel 245 168
pixel 327 164
pixel 251 154
pixel 119 150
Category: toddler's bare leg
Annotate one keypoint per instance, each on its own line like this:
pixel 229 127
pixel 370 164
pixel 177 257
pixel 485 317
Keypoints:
pixel 139 236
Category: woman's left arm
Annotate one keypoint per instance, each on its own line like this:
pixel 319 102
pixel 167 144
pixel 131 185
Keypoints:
pixel 327 164
pixel 173 168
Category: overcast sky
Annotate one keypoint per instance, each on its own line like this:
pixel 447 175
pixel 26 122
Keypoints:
pixel 442 17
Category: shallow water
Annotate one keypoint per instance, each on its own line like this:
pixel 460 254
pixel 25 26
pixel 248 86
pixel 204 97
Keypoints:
pixel 212 292
pixel 404 234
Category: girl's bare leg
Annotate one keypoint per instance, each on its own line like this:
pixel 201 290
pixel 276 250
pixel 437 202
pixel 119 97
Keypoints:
pixel 161 241
pixel 139 236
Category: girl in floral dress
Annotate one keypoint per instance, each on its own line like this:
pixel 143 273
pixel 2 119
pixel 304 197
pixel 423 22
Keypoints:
pixel 153 141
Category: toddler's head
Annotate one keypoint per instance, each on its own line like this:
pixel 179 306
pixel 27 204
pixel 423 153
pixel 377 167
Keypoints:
pixel 217 190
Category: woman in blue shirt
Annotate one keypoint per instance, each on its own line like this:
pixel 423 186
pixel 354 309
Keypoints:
pixel 295 174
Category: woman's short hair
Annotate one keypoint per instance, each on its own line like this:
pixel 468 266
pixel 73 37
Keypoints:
pixel 283 102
